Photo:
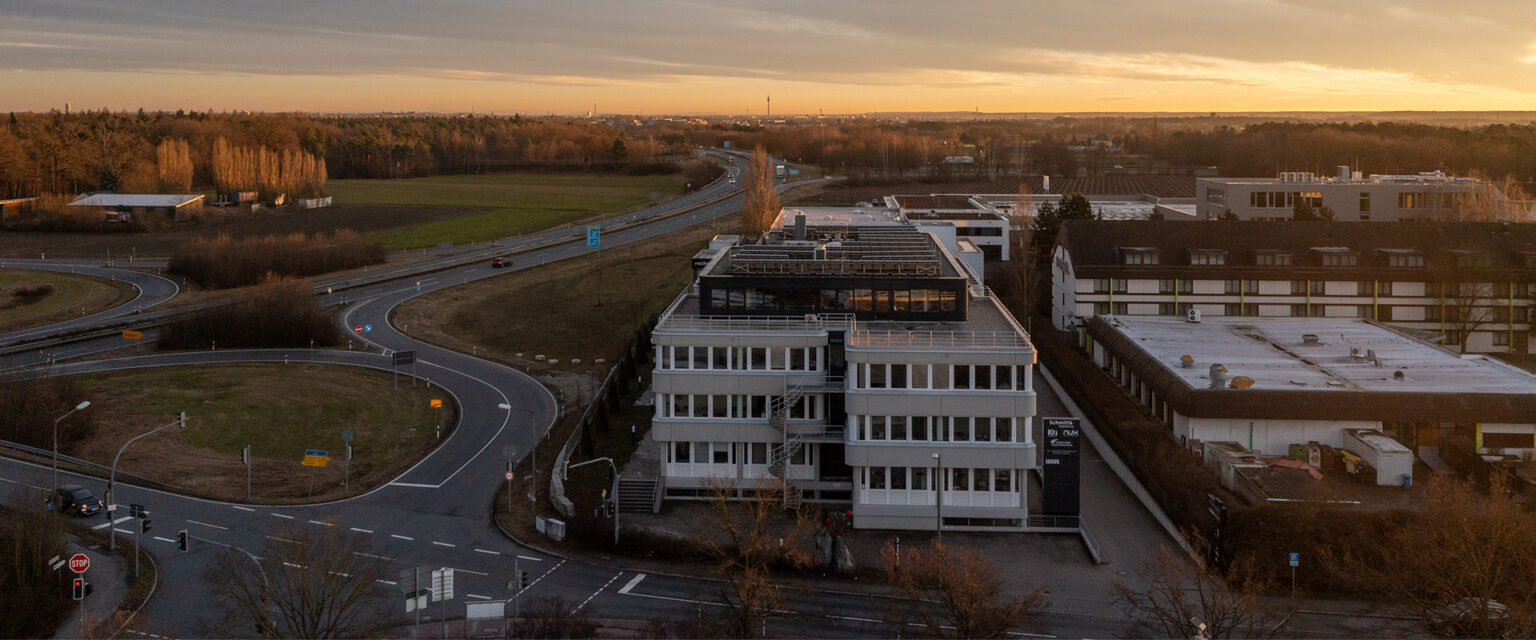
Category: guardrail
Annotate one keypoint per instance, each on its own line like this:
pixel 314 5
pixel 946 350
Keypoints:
pixel 956 339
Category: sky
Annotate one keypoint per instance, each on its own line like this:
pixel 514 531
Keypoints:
pixel 831 56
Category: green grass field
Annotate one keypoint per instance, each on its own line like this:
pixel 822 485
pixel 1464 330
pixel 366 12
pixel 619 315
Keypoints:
pixel 280 410
pixel 72 297
pixel 516 203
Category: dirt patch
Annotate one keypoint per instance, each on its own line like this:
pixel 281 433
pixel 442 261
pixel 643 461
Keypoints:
pixel 280 410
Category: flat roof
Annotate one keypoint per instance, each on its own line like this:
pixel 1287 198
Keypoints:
pixel 1272 352
pixel 840 217
pixel 936 201
pixel 134 200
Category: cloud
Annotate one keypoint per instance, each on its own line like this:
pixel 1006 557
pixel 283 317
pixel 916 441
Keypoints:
pixel 1530 54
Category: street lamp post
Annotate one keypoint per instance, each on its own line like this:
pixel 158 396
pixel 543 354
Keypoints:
pixel 83 404
pixel 938 495
pixel 181 420
pixel 614 495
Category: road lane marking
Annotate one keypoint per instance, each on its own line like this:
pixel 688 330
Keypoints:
pixel 242 508
pixel 290 564
pixel 530 558
pixel 24 484
pixel 164 539
pixel 369 555
pixel 544 575
pixel 477 597
pixel 282 540
pixel 361 530
pixel 108 524
pixel 396 535
pixel 468 571
pixel 338 573
pixel 123 530
pixel 283 516
pixel 632 582
pixel 599 590
pixel 323 524
pixel 388 582
pixel 208 525
pixel 494 553
pixel 416 485
pixel 444 544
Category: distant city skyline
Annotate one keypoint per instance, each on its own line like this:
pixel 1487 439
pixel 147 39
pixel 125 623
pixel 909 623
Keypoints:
pixel 687 57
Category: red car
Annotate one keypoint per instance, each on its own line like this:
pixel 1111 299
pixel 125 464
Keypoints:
pixel 500 262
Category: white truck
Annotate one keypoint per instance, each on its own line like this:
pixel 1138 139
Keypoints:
pixel 780 172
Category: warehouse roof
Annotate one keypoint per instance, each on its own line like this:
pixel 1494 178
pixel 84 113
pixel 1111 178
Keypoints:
pixel 134 200
pixel 1354 370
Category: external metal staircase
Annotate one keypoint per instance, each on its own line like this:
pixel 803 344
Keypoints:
pixel 778 456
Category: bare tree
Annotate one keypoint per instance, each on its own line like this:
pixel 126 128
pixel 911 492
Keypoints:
pixel 1182 598
pixel 304 582
pixel 761 200
pixel 1467 295
pixel 553 618
pixel 1465 561
pixel 956 592
pixel 753 536
pixel 1492 200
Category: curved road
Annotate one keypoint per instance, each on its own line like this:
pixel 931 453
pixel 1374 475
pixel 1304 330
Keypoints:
pixel 153 290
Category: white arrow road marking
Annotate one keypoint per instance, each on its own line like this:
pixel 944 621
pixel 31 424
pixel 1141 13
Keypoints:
pixel 281 515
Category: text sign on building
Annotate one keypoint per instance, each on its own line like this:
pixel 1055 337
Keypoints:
pixel 1061 484
pixel 594 237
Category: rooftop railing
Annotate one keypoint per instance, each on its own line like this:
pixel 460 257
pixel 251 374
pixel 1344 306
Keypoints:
pixel 951 339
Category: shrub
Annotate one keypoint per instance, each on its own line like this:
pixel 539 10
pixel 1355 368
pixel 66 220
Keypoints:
pixel 36 598
pixel 31 405
pixel 280 313
pixel 222 262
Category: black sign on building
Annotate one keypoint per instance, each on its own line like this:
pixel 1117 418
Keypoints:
pixel 1061 485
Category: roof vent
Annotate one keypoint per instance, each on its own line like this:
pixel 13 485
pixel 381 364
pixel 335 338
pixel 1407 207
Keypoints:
pixel 1218 376
pixel 1187 361
pixel 1398 375
pixel 1242 382
pixel 1309 338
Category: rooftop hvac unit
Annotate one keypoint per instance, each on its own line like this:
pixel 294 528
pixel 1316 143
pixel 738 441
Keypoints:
pixel 1193 315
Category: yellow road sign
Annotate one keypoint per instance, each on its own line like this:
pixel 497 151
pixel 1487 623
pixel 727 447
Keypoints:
pixel 436 404
pixel 133 335
pixel 315 461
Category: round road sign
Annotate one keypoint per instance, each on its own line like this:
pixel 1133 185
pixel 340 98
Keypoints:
pixel 357 329
pixel 510 476
pixel 79 562
pixel 368 327
pixel 346 435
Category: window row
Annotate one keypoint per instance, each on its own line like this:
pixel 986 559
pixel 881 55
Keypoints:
pixel 918 479
pixel 730 453
pixel 1284 199
pixel 679 405
pixel 833 300
pixel 1366 288
pixel 1383 312
pixel 941 376
pixel 740 358
pixel 935 429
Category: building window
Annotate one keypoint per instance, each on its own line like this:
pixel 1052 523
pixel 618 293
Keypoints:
pixel 1272 259
pixel 1175 286
pixel 1406 260
pixel 1298 311
pixel 961 377
pixel 1298 287
pixel 1341 260
pixel 1105 308
pixel 1141 256
pixel 1501 338
pixel 1365 204
pixel 1473 261
pixel 1366 311
pixel 1236 287
pixel 1208 258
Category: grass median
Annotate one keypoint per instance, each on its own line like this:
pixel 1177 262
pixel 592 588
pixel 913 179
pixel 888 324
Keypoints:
pixel 280 410
pixel 35 298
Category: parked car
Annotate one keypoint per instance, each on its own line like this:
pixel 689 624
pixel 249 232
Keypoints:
pixel 73 499
pixel 501 262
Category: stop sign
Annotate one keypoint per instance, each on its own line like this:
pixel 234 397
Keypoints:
pixel 79 562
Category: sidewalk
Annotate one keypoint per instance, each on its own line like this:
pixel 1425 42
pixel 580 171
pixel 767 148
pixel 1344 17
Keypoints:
pixel 109 576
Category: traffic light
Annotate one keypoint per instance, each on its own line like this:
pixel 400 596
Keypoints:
pixel 79 590
pixel 181 539
pixel 144 523
pixel 522 580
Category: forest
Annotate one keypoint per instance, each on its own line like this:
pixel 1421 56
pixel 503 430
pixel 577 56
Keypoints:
pixel 155 151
